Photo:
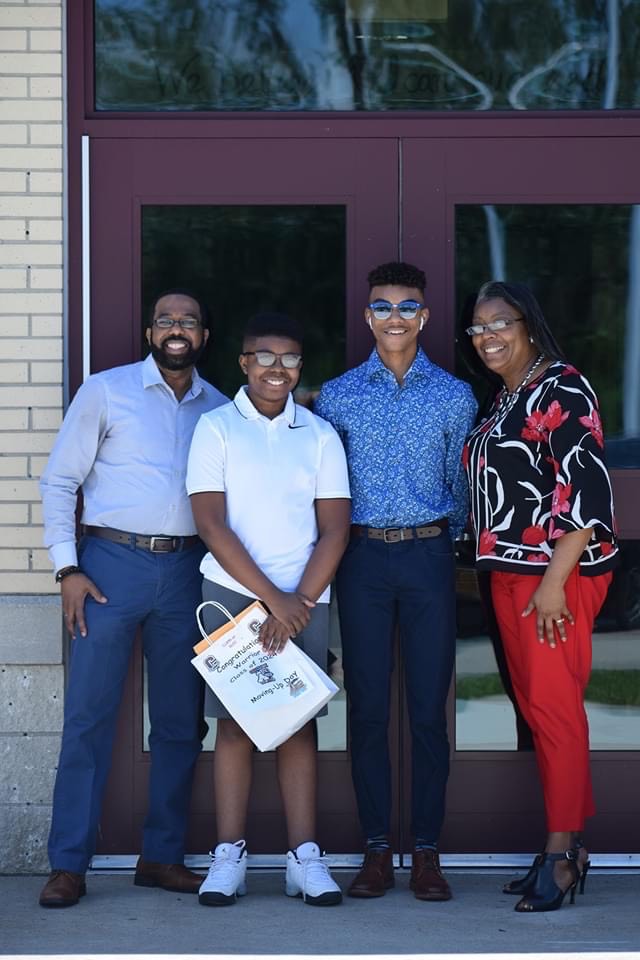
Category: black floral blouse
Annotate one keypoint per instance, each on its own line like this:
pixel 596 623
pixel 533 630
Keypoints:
pixel 536 471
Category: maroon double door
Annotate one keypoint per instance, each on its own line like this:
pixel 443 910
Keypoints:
pixel 399 183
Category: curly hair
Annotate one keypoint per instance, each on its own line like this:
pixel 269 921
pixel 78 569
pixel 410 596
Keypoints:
pixel 397 274
pixel 273 325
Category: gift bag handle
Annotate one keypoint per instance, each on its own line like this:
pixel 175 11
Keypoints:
pixel 218 606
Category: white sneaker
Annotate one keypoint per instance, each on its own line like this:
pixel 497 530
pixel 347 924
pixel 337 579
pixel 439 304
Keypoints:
pixel 308 877
pixel 226 878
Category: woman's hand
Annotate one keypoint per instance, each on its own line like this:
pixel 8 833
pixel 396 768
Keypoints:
pixel 552 612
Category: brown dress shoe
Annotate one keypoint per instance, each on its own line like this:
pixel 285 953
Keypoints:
pixel 63 889
pixel 169 876
pixel 376 875
pixel 427 879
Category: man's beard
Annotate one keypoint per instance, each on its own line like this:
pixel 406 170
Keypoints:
pixel 168 361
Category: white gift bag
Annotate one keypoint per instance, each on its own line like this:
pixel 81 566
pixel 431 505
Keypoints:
pixel 269 695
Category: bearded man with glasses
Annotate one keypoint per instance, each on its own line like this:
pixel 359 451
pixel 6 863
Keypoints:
pixel 403 422
pixel 124 442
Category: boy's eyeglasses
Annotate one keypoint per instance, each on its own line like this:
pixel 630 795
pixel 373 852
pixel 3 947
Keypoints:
pixel 185 323
pixel 407 309
pixel 477 328
pixel 265 358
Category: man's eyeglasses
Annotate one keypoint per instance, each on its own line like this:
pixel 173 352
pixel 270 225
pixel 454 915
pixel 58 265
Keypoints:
pixel 185 323
pixel 265 358
pixel 477 328
pixel 407 309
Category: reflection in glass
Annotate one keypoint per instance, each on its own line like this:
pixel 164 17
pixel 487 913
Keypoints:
pixel 485 716
pixel 366 55
pixel 583 263
pixel 247 259
pixel 332 728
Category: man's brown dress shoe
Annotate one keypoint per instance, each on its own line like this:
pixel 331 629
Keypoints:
pixel 427 880
pixel 376 875
pixel 169 876
pixel 63 889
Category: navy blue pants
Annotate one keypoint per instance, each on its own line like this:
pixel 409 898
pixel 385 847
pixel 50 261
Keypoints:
pixel 412 584
pixel 159 592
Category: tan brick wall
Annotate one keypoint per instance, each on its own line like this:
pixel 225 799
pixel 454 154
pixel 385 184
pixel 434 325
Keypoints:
pixel 31 355
pixel 31 136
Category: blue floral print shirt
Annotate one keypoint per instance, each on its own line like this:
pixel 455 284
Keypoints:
pixel 403 442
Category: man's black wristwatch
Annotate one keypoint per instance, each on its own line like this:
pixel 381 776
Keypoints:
pixel 66 572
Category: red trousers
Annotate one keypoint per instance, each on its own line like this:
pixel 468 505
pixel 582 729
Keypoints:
pixel 549 685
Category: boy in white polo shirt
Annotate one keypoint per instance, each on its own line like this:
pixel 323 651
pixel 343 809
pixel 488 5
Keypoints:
pixel 270 495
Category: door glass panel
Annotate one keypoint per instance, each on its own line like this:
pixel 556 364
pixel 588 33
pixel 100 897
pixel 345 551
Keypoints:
pixel 243 260
pixel 367 55
pixel 486 718
pixel 583 263
pixel 248 259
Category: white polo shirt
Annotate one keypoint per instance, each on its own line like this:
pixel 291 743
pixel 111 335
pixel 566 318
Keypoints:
pixel 271 472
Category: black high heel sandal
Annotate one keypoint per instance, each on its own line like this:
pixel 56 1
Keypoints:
pixel 584 870
pixel 546 894
pixel 523 885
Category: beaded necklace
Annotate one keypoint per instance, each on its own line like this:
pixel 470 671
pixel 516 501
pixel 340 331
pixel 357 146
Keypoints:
pixel 508 399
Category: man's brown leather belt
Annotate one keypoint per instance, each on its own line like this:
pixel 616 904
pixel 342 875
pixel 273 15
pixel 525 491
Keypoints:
pixel 142 541
pixel 396 534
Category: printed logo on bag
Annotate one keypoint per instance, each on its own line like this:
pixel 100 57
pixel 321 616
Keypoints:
pixel 211 663
pixel 296 685
pixel 262 673
pixel 254 627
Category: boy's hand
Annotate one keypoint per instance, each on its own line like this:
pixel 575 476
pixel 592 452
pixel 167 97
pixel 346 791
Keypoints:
pixel 291 610
pixel 273 635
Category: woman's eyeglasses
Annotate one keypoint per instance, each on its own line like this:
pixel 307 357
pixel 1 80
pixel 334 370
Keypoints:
pixel 494 327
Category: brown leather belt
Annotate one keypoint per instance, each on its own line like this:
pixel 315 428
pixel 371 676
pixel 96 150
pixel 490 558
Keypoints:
pixel 397 534
pixel 155 544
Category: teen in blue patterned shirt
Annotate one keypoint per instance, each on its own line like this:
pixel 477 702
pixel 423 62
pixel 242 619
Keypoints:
pixel 403 421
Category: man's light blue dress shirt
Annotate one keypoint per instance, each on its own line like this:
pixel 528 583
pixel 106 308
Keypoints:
pixel 125 440
pixel 403 442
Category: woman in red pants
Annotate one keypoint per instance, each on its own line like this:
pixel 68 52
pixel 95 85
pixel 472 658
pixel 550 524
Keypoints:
pixel 542 510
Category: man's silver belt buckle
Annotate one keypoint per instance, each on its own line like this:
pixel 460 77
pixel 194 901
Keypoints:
pixel 394 534
pixel 161 544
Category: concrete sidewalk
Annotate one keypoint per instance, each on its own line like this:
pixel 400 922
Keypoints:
pixel 116 918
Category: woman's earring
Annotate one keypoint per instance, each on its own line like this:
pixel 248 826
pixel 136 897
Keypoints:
pixel 530 339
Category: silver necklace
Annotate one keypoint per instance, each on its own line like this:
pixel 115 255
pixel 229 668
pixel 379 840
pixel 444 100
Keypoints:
pixel 508 398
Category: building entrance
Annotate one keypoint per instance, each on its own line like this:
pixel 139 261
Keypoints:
pixel 295 223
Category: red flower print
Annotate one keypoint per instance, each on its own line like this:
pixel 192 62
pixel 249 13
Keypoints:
pixel 606 548
pixel 481 463
pixel 560 501
pixel 594 426
pixel 569 369
pixel 535 427
pixel 536 558
pixel 553 533
pixel 465 456
pixel 539 424
pixel 533 536
pixel 486 543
